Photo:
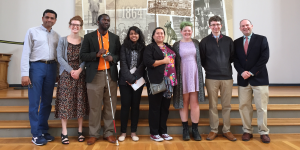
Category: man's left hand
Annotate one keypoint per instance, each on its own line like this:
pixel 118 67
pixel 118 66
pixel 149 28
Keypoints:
pixel 108 58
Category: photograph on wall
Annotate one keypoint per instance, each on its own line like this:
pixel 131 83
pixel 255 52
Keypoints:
pixel 176 24
pixel 110 11
pixel 134 13
pixel 204 9
pixel 171 25
pixel 91 9
pixel 166 22
pixel 170 7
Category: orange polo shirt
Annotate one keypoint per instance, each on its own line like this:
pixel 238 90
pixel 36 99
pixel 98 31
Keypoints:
pixel 101 65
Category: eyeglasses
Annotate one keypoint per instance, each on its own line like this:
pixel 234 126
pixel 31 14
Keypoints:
pixel 215 25
pixel 75 25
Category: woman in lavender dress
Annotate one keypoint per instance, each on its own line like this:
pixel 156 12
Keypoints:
pixel 190 87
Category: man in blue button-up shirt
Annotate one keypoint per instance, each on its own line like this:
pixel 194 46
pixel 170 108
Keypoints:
pixel 38 71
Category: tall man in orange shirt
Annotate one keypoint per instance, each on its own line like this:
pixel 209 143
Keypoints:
pixel 94 45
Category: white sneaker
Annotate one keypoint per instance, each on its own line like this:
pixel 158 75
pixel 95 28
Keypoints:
pixel 156 138
pixel 135 138
pixel 166 137
pixel 121 138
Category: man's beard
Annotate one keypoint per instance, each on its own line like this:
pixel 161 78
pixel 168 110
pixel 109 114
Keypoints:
pixel 102 26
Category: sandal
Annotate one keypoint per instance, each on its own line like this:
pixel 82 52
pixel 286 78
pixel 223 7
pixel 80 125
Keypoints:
pixel 64 139
pixel 81 138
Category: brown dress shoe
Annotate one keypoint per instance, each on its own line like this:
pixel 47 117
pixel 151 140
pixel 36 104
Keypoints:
pixel 211 136
pixel 111 139
pixel 91 140
pixel 265 138
pixel 229 136
pixel 247 136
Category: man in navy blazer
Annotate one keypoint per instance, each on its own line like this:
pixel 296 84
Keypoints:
pixel 251 57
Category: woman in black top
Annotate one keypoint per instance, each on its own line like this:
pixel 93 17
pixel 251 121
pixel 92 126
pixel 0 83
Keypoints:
pixel 159 58
pixel 131 56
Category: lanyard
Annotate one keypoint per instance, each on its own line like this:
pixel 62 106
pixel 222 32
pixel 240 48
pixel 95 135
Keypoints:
pixel 98 33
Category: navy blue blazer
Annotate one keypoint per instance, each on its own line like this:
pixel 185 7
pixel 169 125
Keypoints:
pixel 255 61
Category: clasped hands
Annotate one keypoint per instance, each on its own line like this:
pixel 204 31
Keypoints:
pixel 246 75
pixel 75 73
pixel 103 51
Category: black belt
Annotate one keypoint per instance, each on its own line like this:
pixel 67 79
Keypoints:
pixel 47 61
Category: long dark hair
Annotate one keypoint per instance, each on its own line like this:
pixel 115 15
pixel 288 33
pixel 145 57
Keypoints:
pixel 140 44
pixel 155 31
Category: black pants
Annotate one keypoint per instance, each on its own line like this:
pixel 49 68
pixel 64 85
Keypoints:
pixel 158 112
pixel 130 98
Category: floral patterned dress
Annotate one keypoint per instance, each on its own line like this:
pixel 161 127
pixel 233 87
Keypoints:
pixel 71 97
pixel 170 71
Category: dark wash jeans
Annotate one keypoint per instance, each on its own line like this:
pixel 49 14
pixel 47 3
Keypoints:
pixel 40 95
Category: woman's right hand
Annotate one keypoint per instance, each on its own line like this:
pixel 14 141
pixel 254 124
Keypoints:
pixel 167 60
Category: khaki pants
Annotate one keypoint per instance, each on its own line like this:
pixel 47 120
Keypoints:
pixel 261 99
pixel 98 94
pixel 213 87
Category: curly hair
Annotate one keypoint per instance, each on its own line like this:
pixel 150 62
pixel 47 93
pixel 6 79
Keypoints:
pixel 77 18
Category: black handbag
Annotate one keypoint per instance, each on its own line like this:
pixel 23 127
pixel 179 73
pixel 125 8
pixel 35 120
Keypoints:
pixel 156 88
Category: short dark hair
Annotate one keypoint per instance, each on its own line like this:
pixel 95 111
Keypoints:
pixel 215 18
pixel 245 19
pixel 100 16
pixel 50 11
pixel 141 41
pixel 155 31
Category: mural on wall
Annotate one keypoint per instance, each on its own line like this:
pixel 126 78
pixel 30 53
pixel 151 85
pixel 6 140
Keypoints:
pixel 204 9
pixel 148 14
pixel 170 13
pixel 176 23
pixel 91 9
pixel 134 13
pixel 170 7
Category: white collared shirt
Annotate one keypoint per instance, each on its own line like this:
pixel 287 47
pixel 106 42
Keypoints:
pixel 39 44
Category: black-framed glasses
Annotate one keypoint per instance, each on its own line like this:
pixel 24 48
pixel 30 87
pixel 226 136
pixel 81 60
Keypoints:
pixel 215 25
pixel 75 25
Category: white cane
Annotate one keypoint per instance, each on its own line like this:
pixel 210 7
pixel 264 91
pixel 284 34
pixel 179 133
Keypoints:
pixel 111 106
pixel 112 110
